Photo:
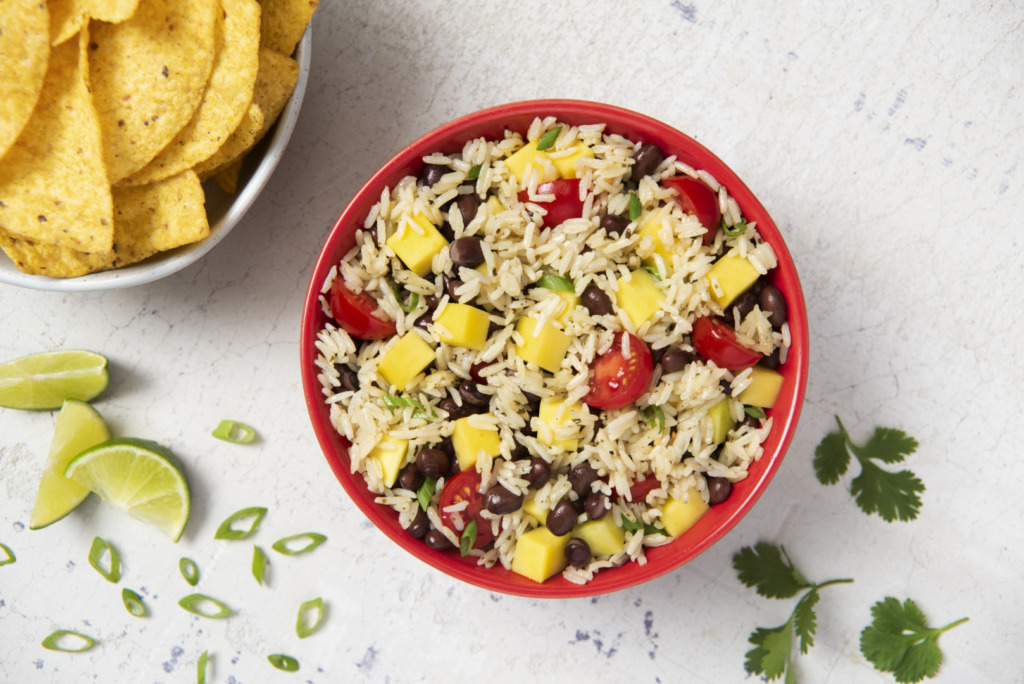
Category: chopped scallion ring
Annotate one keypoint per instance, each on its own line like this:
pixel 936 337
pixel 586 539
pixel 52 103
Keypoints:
pixel 259 564
pixel 133 603
pixel 474 172
pixel 393 402
pixel 235 432
pixel 9 556
pixel 426 492
pixel 58 641
pixel 112 573
pixel 201 668
pixel 189 570
pixel 635 208
pixel 314 539
pixel 754 411
pixel 205 606
pixel 227 531
pixel 556 283
pixel 653 270
pixel 548 139
pixel 283 662
pixel 736 230
pixel 306 624
pixel 414 299
pixel 655 417
pixel 468 538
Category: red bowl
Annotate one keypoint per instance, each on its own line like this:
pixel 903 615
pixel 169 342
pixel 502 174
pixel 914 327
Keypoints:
pixel 492 123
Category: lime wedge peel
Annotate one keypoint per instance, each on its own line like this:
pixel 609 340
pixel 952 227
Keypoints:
pixel 44 381
pixel 140 477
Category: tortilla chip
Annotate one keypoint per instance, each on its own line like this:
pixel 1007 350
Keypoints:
pixel 24 27
pixel 53 186
pixel 283 23
pixel 147 219
pixel 67 17
pixel 148 75
pixel 227 177
pixel 240 140
pixel 226 100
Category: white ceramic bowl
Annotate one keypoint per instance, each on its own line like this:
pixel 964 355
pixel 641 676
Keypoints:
pixel 223 211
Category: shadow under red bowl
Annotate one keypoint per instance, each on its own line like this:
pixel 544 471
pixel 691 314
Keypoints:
pixel 492 123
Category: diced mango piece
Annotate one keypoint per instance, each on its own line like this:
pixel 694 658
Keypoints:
pixel 531 507
pixel 640 296
pixel 390 452
pixel 571 300
pixel 722 421
pixel 546 349
pixel 734 274
pixel 550 408
pixel 405 360
pixel 469 440
pixel 529 157
pixel 495 206
pixel 463 326
pixel 417 244
pixel 540 554
pixel 678 516
pixel 603 536
pixel 651 228
pixel 763 389
pixel 567 165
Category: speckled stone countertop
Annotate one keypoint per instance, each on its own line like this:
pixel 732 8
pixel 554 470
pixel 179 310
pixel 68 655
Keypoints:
pixel 887 142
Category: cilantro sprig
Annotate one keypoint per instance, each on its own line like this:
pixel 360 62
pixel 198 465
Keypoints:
pixel 894 495
pixel 900 641
pixel 768 569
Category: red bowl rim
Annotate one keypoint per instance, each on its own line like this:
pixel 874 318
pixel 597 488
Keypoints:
pixel 492 122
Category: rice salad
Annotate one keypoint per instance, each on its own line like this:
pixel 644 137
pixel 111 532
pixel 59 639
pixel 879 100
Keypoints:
pixel 544 356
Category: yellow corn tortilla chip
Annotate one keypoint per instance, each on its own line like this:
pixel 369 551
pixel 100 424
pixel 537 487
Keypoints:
pixel 226 100
pixel 67 17
pixel 240 140
pixel 53 187
pixel 24 27
pixel 148 75
pixel 227 177
pixel 147 219
pixel 283 23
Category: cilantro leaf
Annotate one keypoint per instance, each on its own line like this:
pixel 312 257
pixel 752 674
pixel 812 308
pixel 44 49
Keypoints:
pixel 805 622
pixel 888 445
pixel 892 495
pixel 899 640
pixel 765 568
pixel 772 655
pixel 831 459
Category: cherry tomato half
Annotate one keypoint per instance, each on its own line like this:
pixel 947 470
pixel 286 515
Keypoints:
pixel 698 199
pixel 641 488
pixel 566 205
pixel 465 486
pixel 616 381
pixel 354 313
pixel 716 341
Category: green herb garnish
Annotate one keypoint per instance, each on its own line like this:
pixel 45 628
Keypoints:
pixel 738 228
pixel 133 603
pixel 556 283
pixel 393 402
pixel 548 139
pixel 893 495
pixel 310 615
pixel 655 417
pixel 313 540
pixel 227 530
pixel 468 538
pixel 414 299
pixel 426 492
pixel 100 548
pixel 201 668
pixel 8 556
pixel 205 606
pixel 635 208
pixel 768 569
pixel 754 411
pixel 56 641
pixel 632 525
pixel 653 270
pixel 189 570
pixel 474 172
pixel 235 432
pixel 899 640
pixel 259 564
pixel 283 662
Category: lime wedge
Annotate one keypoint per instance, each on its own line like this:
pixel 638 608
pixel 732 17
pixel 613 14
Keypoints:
pixel 44 381
pixel 78 427
pixel 140 477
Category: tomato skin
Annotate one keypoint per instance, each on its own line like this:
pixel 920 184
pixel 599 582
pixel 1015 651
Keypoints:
pixel 698 199
pixel 354 313
pixel 715 341
pixel 616 381
pixel 641 488
pixel 566 205
pixel 465 486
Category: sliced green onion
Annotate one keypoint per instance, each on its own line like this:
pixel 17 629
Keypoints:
pixel 653 270
pixel 226 531
pixel 635 208
pixel 259 564
pixel 234 431
pixel 474 172
pixel 201 668
pixel 556 283
pixel 468 538
pixel 189 570
pixel 112 573
pixel 55 641
pixel 201 604
pixel 315 539
pixel 283 662
pixel 424 415
pixel 393 402
pixel 306 624
pixel 754 411
pixel 738 229
pixel 414 300
pixel 9 555
pixel 426 492
pixel 655 417
pixel 548 139
pixel 133 603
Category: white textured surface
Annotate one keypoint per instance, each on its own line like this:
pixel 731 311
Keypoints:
pixel 887 142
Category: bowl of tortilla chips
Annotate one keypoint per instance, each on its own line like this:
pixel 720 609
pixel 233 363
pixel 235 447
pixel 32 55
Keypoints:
pixel 135 134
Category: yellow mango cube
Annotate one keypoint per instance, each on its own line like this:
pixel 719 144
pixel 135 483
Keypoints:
pixel 468 440
pixel 763 389
pixel 417 244
pixel 571 300
pixel 652 229
pixel 463 325
pixel 566 164
pixel 546 347
pixel 556 414
pixel 405 360
pixel 540 554
pixel 640 296
pixel 603 536
pixel 733 275
pixel 722 421
pixel 390 452
pixel 529 157
pixel 678 516
pixel 494 206
pixel 531 507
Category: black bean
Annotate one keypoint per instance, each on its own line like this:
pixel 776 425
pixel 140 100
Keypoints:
pixel 773 360
pixel 596 505
pixel 719 489
pixel 532 399
pixel 436 540
pixel 410 478
pixel 596 301
pixel 433 463
pixel 493 327
pixel 419 525
pixel 467 206
pixel 471 394
pixel 520 452
pixel 447 447
pixel 431 300
pixel 577 552
pixel 348 381
pixel 773 302
pixel 539 472
pixel 751 421
pixel 447 232
pixel 500 501
pixel 581 477
pixel 424 320
pixel 646 161
pixel 746 303
pixel 431 173
pixel 613 224
pixel 467 251
pixel 450 285
pixel 675 359
pixel 562 518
